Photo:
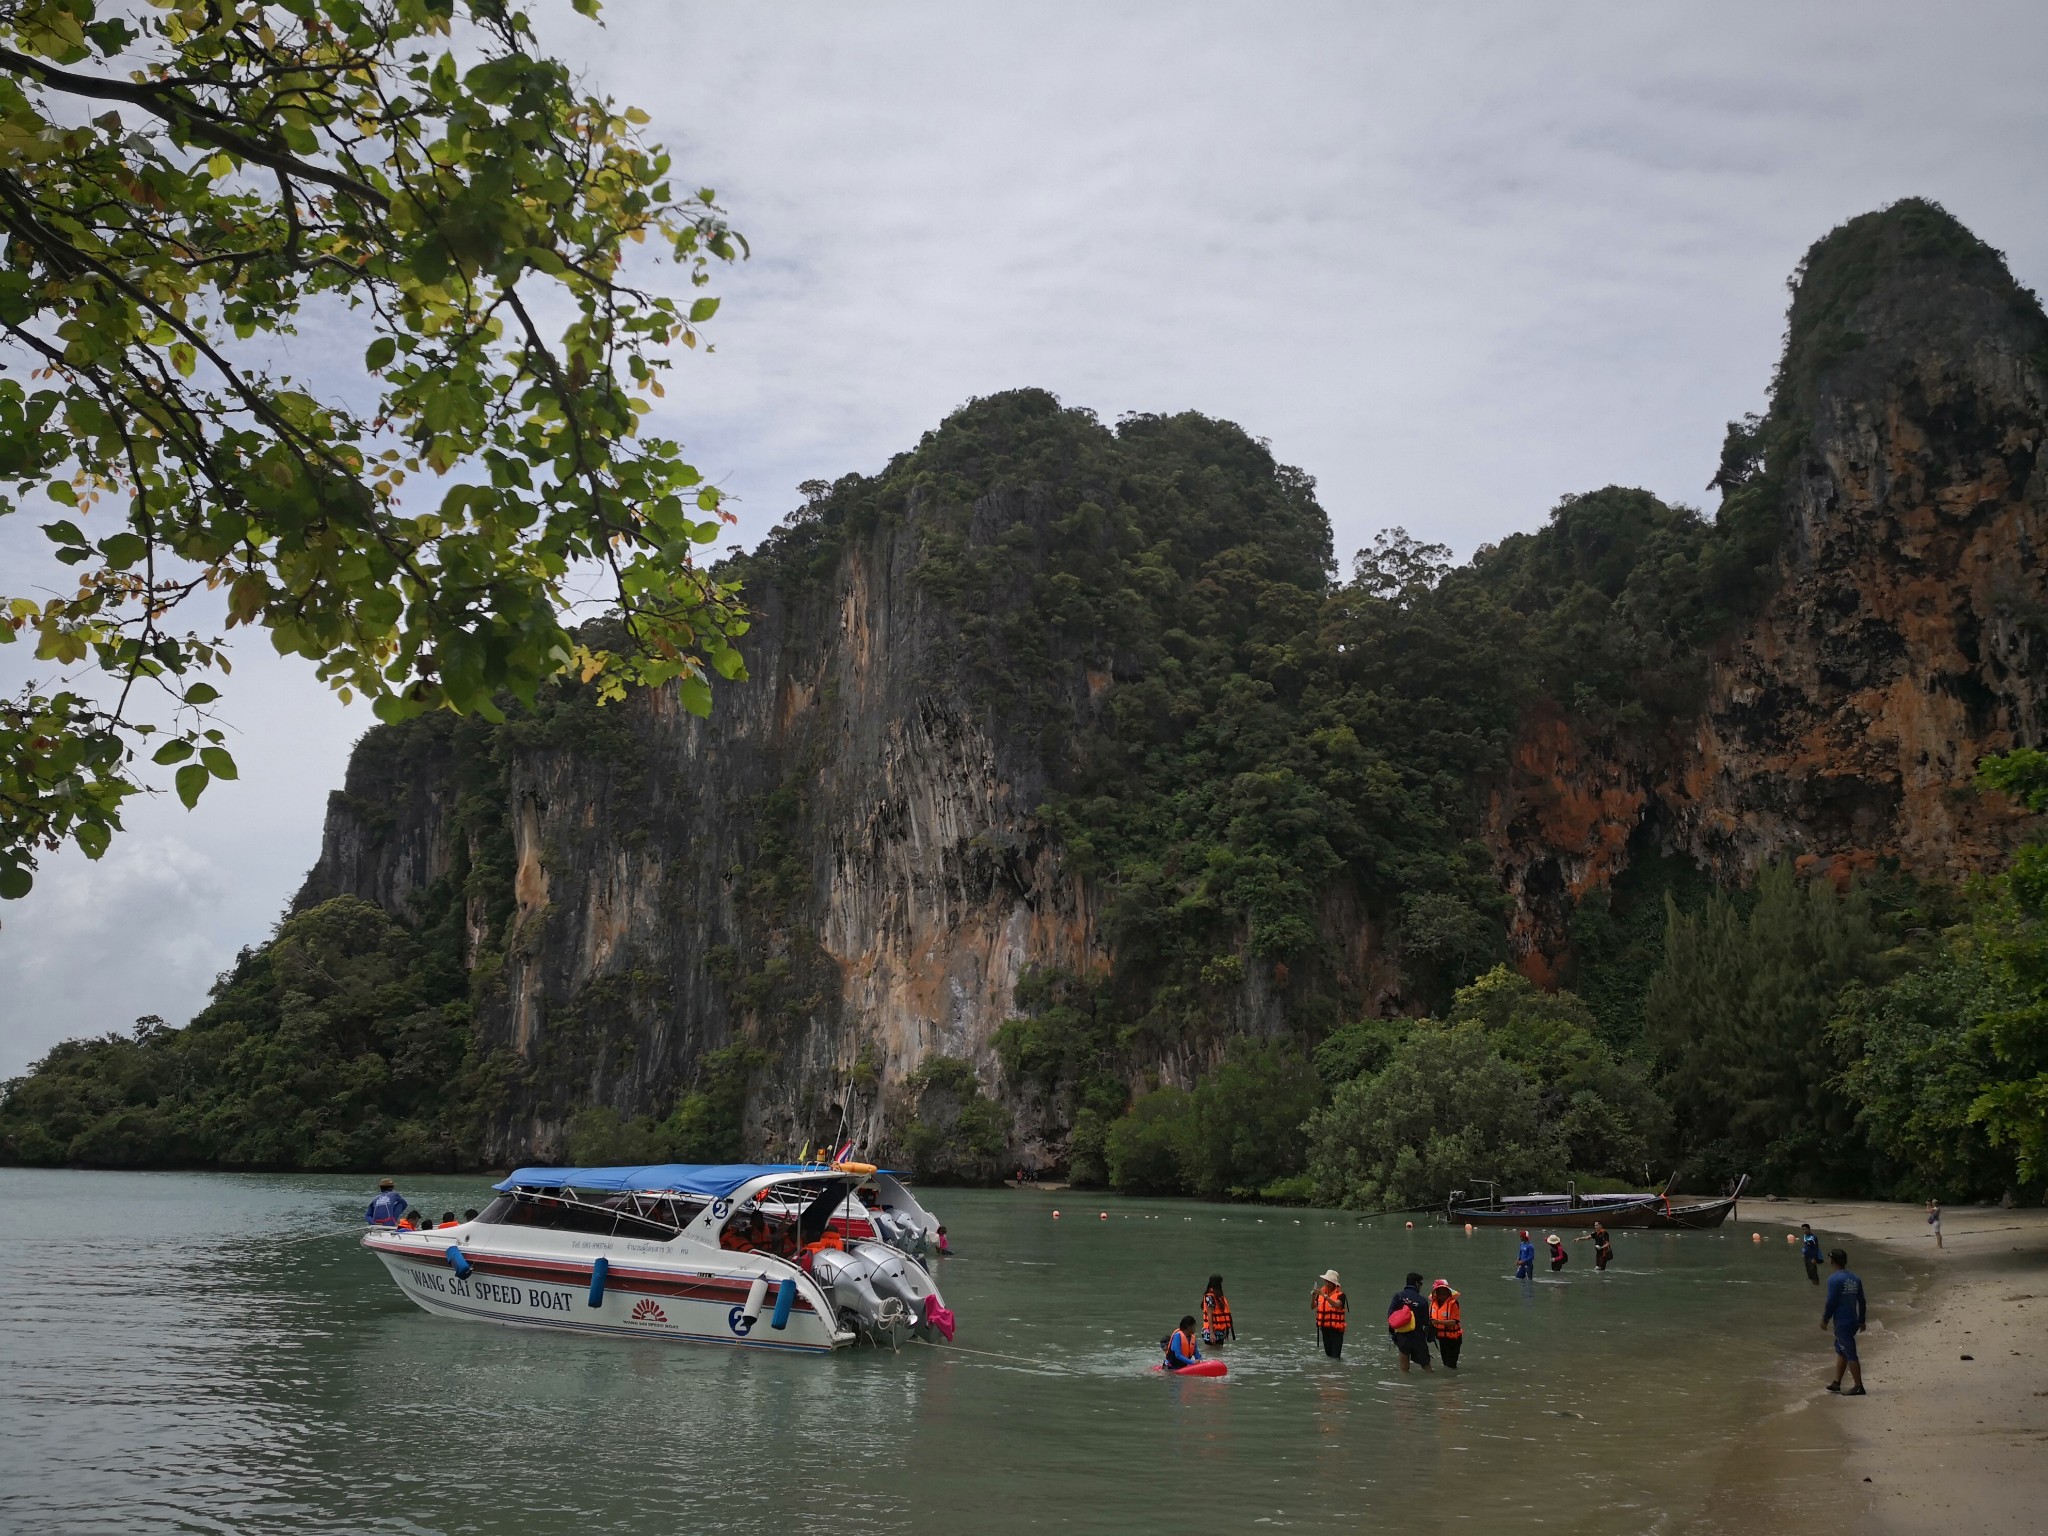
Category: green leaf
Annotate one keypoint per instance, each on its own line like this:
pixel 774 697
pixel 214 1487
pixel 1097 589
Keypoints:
pixel 184 359
pixel 172 752
pixel 218 763
pixel 191 784
pixel 381 351
pixel 92 837
pixel 15 882
pixel 201 693
pixel 703 310
pixel 123 549
pixel 60 492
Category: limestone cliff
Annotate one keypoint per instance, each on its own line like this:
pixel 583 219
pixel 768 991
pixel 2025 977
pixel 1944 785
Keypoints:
pixel 1905 634
pixel 1049 696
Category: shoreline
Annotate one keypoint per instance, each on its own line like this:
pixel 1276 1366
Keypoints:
pixel 1942 1443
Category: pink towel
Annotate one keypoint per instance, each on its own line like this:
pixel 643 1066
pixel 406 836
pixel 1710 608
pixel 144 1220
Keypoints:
pixel 939 1317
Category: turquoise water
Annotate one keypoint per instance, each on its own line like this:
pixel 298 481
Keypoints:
pixel 204 1353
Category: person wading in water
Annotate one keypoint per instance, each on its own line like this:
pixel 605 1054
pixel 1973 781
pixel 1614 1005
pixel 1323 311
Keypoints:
pixel 1525 1259
pixel 1603 1245
pixel 1216 1324
pixel 1408 1323
pixel 1559 1257
pixel 1446 1323
pixel 1809 1251
pixel 1330 1308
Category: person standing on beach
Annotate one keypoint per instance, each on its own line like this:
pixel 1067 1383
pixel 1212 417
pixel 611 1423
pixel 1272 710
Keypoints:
pixel 1809 1250
pixel 1408 1323
pixel 1525 1259
pixel 1844 1312
pixel 1934 1220
pixel 1330 1308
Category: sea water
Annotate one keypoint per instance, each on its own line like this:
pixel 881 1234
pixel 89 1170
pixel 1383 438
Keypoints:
pixel 185 1352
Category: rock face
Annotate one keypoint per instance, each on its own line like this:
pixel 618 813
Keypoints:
pixel 1907 632
pixel 844 863
pixel 847 863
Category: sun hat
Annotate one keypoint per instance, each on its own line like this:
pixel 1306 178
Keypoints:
pixel 1331 1276
pixel 1552 1238
pixel 1439 1285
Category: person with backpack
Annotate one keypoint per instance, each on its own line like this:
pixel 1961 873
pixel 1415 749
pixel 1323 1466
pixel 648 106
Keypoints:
pixel 1330 1309
pixel 1559 1254
pixel 1216 1325
pixel 1408 1323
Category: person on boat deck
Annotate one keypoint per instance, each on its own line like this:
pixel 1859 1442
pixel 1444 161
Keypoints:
pixel 388 1209
pixel 743 1235
pixel 1408 1323
pixel 1525 1259
pixel 447 1220
pixel 1216 1324
pixel 1844 1311
pixel 1330 1308
pixel 1558 1256
pixel 1809 1251
pixel 1603 1245
pixel 412 1220
pixel 1446 1323
pixel 1180 1346
pixel 470 1214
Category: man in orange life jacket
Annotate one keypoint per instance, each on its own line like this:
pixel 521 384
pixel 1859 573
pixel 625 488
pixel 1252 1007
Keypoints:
pixel 1180 1346
pixel 1445 1323
pixel 1330 1308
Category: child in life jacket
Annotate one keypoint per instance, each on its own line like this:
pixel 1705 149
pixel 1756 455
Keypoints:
pixel 1216 1325
pixel 1180 1346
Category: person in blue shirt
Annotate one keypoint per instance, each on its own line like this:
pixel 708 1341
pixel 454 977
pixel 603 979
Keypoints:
pixel 1525 1259
pixel 1809 1250
pixel 1180 1346
pixel 388 1209
pixel 1844 1312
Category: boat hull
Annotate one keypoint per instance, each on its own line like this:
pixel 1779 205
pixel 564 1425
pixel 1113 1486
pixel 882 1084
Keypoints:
pixel 672 1305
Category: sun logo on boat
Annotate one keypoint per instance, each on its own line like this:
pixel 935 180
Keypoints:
pixel 647 1312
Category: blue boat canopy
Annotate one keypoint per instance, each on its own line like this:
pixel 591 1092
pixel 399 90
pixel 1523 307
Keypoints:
pixel 714 1181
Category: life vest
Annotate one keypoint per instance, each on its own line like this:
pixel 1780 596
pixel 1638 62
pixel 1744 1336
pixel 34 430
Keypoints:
pixel 1443 1317
pixel 1178 1343
pixel 1330 1309
pixel 1215 1313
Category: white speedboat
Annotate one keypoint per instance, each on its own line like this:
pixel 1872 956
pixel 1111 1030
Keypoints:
pixel 743 1254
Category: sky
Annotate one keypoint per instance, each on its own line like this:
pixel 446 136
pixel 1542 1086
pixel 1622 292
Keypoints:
pixel 1455 262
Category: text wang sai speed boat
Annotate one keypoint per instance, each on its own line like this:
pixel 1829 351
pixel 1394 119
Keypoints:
pixel 742 1254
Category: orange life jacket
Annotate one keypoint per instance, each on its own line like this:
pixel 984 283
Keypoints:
pixel 1443 1317
pixel 1330 1309
pixel 1178 1343
pixel 1215 1313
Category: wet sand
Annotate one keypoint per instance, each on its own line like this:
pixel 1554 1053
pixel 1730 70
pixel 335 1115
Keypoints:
pixel 1942 1443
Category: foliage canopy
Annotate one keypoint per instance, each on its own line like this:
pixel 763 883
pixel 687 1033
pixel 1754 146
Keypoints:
pixel 184 189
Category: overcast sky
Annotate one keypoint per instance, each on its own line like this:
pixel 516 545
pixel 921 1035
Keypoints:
pixel 1454 262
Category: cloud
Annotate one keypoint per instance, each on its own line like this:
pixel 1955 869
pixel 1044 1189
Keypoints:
pixel 1454 262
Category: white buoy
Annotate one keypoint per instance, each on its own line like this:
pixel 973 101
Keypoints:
pixel 1756 1237
pixel 757 1298
pixel 1055 1215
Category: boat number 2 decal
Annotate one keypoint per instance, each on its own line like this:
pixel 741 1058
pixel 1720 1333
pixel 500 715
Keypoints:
pixel 738 1321
pixel 719 1208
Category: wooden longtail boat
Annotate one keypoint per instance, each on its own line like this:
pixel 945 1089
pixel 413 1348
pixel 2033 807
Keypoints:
pixel 1652 1213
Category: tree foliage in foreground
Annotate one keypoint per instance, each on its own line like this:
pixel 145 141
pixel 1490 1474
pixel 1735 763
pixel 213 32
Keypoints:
pixel 184 187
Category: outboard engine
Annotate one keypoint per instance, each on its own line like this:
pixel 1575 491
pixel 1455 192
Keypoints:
pixel 894 1274
pixel 870 1309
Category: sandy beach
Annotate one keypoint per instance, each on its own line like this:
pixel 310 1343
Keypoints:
pixel 1954 1434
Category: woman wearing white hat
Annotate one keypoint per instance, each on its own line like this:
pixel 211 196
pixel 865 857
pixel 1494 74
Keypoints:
pixel 1330 1307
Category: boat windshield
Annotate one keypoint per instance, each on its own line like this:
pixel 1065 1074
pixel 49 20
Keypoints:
pixel 652 1217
